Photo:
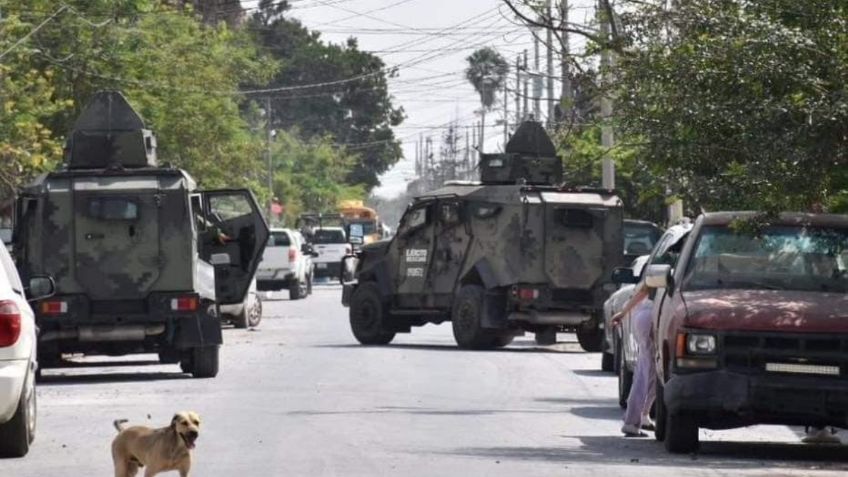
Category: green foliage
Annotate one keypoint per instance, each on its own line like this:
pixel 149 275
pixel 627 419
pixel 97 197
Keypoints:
pixel 740 105
pixel 307 174
pixel 487 70
pixel 351 112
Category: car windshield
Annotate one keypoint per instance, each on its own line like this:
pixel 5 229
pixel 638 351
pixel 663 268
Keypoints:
pixel 639 239
pixel 368 228
pixel 778 258
pixel 328 237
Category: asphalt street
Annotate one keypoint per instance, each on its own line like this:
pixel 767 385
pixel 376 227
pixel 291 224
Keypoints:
pixel 299 397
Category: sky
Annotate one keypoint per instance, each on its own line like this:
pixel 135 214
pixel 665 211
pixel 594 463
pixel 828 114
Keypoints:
pixel 428 41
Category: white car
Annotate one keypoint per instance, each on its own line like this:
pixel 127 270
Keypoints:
pixel 18 364
pixel 286 264
pixel 331 245
pixel 247 313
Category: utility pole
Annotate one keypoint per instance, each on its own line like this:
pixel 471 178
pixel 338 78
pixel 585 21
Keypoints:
pixel 537 80
pixel 467 167
pixel 550 48
pixel 567 94
pixel 607 138
pixel 506 113
pixel 270 160
pixel 526 108
pixel 518 89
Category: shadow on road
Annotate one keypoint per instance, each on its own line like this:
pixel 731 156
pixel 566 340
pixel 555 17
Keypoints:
pixel 435 347
pixel 424 411
pixel 593 373
pixel 615 450
pixel 67 376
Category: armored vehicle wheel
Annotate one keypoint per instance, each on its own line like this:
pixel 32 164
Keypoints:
pixel 185 364
pixel 204 362
pixel 659 415
pixel 169 356
pixel 503 340
pixel 466 319
pixel 590 337
pixel 17 434
pixel 367 316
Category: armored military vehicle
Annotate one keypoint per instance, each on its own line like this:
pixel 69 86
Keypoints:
pixel 141 258
pixel 514 252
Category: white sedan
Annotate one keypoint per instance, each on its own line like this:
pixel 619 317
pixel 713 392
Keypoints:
pixel 18 363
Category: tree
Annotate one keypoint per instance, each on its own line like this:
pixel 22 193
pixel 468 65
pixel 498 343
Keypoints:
pixel 486 71
pixel 350 101
pixel 740 104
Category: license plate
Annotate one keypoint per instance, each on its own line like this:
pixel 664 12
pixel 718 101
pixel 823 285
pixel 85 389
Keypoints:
pixel 322 265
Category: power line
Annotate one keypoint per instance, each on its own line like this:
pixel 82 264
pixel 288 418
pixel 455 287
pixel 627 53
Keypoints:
pixel 34 30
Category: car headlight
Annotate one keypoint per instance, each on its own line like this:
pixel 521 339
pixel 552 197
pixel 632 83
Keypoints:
pixel 700 344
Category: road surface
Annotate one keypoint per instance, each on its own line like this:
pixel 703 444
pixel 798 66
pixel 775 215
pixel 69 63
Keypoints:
pixel 298 397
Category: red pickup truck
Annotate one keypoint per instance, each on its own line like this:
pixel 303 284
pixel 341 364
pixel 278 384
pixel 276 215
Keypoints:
pixel 752 326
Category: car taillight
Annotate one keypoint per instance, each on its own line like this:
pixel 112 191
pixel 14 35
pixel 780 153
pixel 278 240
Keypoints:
pixel 526 294
pixel 184 303
pixel 54 307
pixel 10 323
pixel 292 255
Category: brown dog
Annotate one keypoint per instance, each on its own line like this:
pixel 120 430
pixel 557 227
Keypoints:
pixel 159 450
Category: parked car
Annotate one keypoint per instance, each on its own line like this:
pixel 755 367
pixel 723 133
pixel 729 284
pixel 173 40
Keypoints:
pixel 18 362
pixel 752 326
pixel 623 343
pixel 245 314
pixel 640 237
pixel 331 245
pixel 626 277
pixel 286 264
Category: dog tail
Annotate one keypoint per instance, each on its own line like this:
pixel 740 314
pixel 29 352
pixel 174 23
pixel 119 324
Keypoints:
pixel 119 424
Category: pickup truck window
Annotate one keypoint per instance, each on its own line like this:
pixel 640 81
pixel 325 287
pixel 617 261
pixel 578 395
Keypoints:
pixel 325 237
pixel 279 239
pixel 778 258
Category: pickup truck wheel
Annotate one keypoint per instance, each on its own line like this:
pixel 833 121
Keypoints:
pixel 466 318
pixel 240 321
pixel 296 290
pixel 17 434
pixel 625 380
pixel 659 414
pixel 309 281
pixel 205 361
pixel 368 316
pixel 503 339
pixel 681 433
pixel 590 337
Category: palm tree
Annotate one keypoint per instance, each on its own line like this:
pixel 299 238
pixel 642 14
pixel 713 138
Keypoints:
pixel 486 71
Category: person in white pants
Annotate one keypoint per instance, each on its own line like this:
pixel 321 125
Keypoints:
pixel 643 390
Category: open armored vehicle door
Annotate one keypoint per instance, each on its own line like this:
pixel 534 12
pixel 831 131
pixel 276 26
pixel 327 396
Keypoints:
pixel 233 237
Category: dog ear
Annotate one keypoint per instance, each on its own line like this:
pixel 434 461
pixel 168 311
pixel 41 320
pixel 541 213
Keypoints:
pixel 174 420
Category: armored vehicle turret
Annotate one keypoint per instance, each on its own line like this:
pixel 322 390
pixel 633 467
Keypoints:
pixel 515 252
pixel 141 258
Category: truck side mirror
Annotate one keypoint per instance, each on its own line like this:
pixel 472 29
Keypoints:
pixel 40 287
pixel 623 275
pixel 658 276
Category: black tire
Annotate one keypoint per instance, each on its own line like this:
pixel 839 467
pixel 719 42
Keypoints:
pixel 240 321
pixel 17 434
pixel 590 337
pixel 204 362
pixel 616 352
pixel 169 356
pixel 503 340
pixel 681 433
pixel 186 365
pixel 309 280
pixel 659 414
pixel 466 319
pixel 625 380
pixel 607 362
pixel 254 316
pixel 368 315
pixel 296 290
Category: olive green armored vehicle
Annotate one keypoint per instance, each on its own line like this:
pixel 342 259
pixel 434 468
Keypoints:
pixel 141 258
pixel 516 252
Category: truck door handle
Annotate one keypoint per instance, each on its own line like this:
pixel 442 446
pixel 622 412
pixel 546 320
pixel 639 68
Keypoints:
pixel 90 236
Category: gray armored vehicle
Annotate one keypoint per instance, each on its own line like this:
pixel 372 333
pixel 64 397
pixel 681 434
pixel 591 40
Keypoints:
pixel 515 252
pixel 142 260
